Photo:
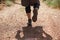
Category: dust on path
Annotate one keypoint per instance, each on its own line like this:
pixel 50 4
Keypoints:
pixel 14 18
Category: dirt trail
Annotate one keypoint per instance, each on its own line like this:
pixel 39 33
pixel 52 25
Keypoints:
pixel 14 18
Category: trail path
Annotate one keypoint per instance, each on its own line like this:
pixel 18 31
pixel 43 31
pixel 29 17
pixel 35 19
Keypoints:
pixel 14 18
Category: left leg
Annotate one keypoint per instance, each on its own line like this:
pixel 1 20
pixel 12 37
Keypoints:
pixel 28 12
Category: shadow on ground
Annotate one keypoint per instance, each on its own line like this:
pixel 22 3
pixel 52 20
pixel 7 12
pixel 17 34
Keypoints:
pixel 34 33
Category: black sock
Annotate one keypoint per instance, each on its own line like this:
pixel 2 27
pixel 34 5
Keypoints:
pixel 29 21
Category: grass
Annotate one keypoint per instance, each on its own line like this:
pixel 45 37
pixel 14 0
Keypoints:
pixel 8 2
pixel 53 3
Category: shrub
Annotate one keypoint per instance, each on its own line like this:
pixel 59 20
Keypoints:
pixel 53 3
pixel 8 2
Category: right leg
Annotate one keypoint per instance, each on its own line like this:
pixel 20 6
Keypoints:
pixel 28 12
pixel 35 12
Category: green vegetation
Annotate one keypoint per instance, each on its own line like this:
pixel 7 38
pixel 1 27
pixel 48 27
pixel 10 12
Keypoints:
pixel 7 2
pixel 53 3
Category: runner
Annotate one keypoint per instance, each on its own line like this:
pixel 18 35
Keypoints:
pixel 27 4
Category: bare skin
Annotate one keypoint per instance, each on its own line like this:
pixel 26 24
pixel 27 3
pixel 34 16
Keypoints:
pixel 29 15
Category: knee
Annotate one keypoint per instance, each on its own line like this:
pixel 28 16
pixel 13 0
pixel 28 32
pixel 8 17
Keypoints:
pixel 36 6
pixel 27 9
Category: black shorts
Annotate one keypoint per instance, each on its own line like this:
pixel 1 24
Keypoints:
pixel 28 8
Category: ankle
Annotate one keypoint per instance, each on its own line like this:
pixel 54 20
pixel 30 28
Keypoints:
pixel 29 20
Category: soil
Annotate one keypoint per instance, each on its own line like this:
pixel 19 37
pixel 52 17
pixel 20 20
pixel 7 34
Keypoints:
pixel 14 18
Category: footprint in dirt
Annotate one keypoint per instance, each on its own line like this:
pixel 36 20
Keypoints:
pixel 33 33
